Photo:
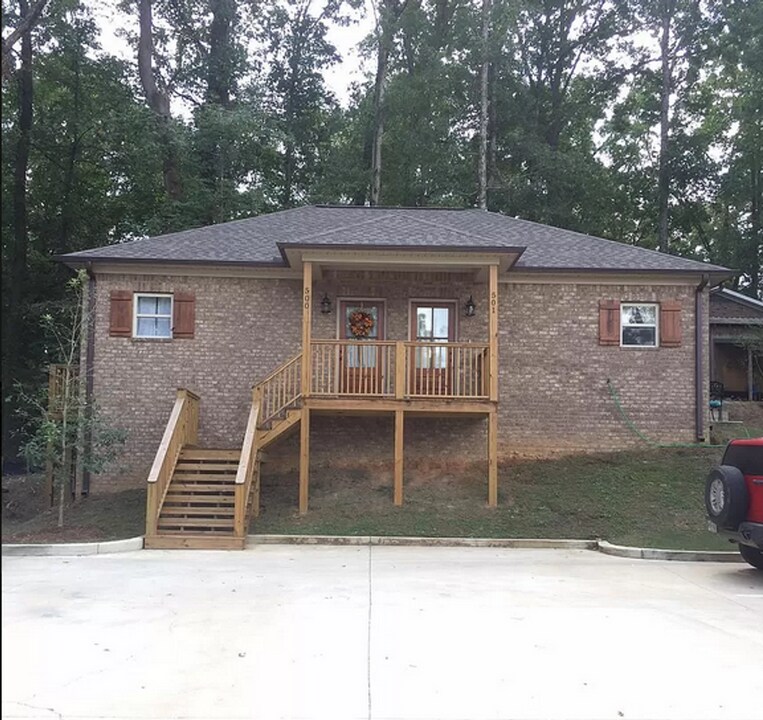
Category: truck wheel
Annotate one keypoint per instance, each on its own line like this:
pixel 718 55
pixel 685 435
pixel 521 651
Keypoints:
pixel 726 496
pixel 752 555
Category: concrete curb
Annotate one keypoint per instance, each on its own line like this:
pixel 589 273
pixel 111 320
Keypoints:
pixel 607 548
pixel 528 543
pixel 636 553
pixel 70 549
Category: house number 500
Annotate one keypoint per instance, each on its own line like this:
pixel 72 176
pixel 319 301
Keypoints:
pixel 307 298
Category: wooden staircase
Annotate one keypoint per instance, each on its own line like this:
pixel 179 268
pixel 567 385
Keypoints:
pixel 205 498
pixel 199 506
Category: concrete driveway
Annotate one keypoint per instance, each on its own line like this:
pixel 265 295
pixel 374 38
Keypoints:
pixel 388 633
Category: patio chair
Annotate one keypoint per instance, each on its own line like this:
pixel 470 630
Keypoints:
pixel 716 400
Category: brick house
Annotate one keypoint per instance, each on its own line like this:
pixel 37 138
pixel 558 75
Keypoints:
pixel 410 341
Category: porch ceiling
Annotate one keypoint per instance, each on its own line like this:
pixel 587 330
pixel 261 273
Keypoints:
pixel 413 259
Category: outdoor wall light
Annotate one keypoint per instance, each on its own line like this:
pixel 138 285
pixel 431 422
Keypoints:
pixel 470 307
pixel 325 304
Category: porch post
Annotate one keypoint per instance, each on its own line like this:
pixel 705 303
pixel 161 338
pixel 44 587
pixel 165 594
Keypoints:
pixel 304 433
pixel 399 425
pixel 492 428
pixel 307 313
pixel 493 331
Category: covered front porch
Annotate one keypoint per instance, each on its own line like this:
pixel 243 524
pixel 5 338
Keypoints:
pixel 390 333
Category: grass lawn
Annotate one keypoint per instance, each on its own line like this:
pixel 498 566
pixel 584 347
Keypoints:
pixel 649 498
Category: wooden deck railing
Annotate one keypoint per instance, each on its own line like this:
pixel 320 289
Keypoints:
pixel 247 464
pixel 353 368
pixel 182 429
pixel 280 390
pixel 399 369
pixel 446 370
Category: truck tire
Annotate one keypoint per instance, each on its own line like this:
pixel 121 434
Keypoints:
pixel 752 555
pixel 726 497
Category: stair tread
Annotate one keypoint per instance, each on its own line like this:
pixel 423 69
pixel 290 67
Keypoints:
pixel 210 454
pixel 186 465
pixel 174 510
pixel 191 522
pixel 216 497
pixel 217 478
pixel 184 486
pixel 197 541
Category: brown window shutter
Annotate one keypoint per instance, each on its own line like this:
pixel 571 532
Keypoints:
pixel 670 323
pixel 120 313
pixel 609 322
pixel 184 315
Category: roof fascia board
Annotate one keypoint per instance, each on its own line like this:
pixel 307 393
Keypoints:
pixel 199 270
pixel 600 277
pixel 735 321
pixel 739 299
pixel 401 257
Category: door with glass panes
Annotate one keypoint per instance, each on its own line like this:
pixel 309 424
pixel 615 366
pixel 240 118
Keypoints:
pixel 361 370
pixel 431 372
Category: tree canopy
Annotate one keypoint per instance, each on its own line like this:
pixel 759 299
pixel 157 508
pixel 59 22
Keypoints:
pixel 636 120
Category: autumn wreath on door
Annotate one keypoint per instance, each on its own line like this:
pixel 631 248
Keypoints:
pixel 361 323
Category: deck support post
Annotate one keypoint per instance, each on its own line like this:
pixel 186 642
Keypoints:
pixel 399 427
pixel 492 458
pixel 304 460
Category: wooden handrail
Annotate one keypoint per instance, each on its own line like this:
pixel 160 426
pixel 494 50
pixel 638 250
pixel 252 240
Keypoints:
pixel 182 429
pixel 246 466
pixel 279 390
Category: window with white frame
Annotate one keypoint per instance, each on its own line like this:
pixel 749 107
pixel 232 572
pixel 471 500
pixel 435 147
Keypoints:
pixel 153 316
pixel 638 324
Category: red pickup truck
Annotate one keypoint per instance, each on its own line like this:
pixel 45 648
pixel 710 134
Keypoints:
pixel 734 498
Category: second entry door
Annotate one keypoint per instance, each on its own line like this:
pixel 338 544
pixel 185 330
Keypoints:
pixel 432 369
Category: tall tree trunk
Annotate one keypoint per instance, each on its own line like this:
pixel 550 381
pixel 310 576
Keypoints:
pixel 756 228
pixel 67 204
pixel 663 177
pixel 220 70
pixel 484 104
pixel 378 134
pixel 27 21
pixel 18 248
pixel 158 100
pixel 390 12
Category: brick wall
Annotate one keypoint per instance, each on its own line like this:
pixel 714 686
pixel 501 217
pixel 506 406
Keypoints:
pixel 552 371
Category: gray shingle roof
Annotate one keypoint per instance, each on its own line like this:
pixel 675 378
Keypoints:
pixel 260 240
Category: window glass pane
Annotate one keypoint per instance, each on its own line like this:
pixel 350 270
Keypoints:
pixel 639 314
pixel 639 336
pixel 154 327
pixel 153 305
pixel 424 323
pixel 441 323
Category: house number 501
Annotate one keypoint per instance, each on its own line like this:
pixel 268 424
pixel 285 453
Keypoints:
pixel 493 302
